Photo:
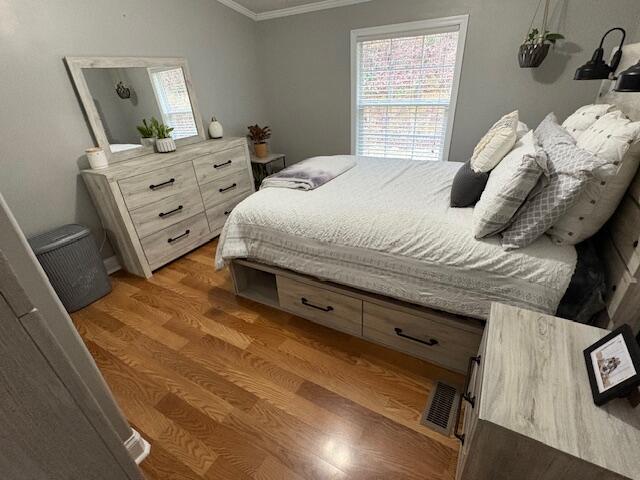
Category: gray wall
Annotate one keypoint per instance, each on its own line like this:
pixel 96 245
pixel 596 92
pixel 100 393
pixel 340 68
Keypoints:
pixel 307 71
pixel 42 126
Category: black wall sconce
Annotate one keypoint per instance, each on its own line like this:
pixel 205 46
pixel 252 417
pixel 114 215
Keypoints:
pixel 629 80
pixel 597 68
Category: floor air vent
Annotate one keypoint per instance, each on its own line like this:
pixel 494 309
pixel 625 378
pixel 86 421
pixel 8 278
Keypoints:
pixel 441 410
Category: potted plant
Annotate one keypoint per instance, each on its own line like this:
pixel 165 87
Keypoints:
pixel 536 46
pixel 259 136
pixel 147 132
pixel 164 142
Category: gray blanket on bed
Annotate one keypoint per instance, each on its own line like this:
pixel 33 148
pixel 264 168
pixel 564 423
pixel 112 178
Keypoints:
pixel 311 173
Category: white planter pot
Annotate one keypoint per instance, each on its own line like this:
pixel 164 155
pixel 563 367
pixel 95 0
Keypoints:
pixel 215 130
pixel 148 142
pixel 164 145
pixel 97 158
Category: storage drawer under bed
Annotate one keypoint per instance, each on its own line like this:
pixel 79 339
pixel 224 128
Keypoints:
pixel 439 341
pixel 328 308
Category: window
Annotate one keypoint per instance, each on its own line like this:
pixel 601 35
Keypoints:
pixel 173 99
pixel 404 86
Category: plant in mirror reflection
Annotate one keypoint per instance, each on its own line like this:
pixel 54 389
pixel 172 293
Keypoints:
pixel 147 130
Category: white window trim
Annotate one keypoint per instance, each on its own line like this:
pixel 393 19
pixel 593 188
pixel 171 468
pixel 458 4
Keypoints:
pixel 460 21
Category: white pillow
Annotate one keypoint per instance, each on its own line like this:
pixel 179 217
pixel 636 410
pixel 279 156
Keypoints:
pixel 584 117
pixel 521 130
pixel 495 144
pixel 613 138
pixel 509 186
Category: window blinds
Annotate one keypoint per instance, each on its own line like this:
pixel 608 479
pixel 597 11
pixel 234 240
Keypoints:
pixel 404 86
pixel 173 99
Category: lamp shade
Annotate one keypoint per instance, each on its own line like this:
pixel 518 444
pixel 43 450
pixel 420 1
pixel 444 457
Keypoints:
pixel 629 80
pixel 594 69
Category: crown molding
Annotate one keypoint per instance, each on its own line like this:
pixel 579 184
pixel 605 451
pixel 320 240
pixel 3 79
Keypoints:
pixel 239 8
pixel 310 7
pixel 285 12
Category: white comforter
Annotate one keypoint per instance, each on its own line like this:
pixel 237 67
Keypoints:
pixel 385 226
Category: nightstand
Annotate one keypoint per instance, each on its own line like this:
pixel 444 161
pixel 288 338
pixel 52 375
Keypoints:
pixel 529 413
pixel 263 167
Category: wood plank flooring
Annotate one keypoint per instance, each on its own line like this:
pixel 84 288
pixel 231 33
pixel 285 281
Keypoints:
pixel 225 388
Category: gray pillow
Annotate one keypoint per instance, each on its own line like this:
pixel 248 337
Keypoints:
pixel 467 186
pixel 570 169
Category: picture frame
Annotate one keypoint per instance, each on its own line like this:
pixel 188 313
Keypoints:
pixel 613 365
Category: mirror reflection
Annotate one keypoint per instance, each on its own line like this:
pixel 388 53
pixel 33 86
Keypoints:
pixel 124 97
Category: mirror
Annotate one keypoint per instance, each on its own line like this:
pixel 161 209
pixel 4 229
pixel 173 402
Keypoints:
pixel 117 94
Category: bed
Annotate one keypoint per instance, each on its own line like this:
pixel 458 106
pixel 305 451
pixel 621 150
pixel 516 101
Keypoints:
pixel 386 227
pixel 377 253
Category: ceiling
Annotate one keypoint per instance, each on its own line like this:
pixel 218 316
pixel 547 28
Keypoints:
pixel 265 9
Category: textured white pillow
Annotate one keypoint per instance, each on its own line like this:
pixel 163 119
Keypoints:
pixel 613 138
pixel 495 144
pixel 521 130
pixel 584 117
pixel 508 186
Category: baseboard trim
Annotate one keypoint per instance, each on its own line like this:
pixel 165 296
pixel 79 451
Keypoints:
pixel 112 264
pixel 137 447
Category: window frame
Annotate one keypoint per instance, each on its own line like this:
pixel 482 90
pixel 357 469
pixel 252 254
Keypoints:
pixel 420 27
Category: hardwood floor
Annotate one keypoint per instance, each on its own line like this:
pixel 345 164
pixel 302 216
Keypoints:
pixel 225 388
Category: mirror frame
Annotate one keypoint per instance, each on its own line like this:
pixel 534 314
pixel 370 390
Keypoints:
pixel 75 66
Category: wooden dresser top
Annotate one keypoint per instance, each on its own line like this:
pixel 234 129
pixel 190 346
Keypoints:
pixel 154 161
pixel 535 383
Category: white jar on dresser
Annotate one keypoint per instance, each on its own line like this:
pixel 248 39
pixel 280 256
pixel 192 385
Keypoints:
pixel 158 207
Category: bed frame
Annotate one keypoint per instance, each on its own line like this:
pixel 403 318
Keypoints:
pixel 439 337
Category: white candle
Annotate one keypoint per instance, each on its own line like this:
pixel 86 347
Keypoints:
pixel 97 158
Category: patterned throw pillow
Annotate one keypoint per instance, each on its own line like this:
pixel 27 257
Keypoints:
pixel 508 187
pixel 495 144
pixel 584 117
pixel 614 139
pixel 570 169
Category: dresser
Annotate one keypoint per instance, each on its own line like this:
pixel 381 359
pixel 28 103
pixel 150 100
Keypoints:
pixel 160 206
pixel 529 413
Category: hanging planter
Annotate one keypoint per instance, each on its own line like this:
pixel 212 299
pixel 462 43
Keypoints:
pixel 536 46
pixel 531 55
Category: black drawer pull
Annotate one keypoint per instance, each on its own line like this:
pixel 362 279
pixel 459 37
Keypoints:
pixel 228 162
pixel 466 396
pixel 306 303
pixel 170 212
pixel 175 239
pixel 228 188
pixel 163 184
pixel 430 343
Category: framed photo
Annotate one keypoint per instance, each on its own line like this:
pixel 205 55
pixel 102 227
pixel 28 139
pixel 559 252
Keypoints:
pixel 613 365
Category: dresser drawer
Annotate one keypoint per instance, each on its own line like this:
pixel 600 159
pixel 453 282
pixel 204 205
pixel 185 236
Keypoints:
pixel 164 213
pixel 442 343
pixel 217 215
pixel 176 240
pixel 225 188
pixel 151 187
pixel 220 164
pixel 331 309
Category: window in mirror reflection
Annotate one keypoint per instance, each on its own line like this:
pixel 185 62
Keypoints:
pixel 173 99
